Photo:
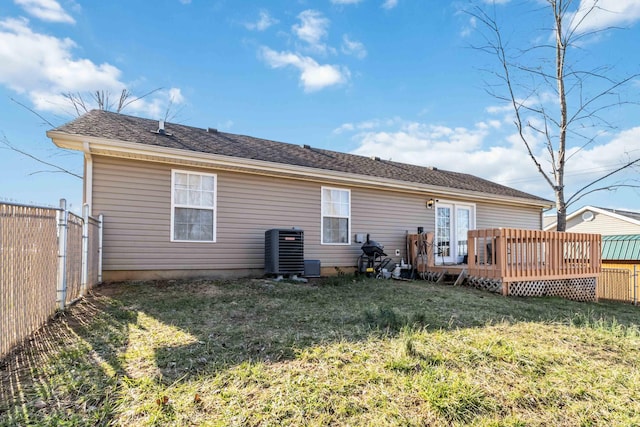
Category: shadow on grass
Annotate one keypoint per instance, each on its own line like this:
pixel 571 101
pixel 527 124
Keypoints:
pixel 79 366
pixel 228 323
pixel 68 370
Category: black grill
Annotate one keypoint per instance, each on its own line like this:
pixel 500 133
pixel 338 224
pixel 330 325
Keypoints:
pixel 372 248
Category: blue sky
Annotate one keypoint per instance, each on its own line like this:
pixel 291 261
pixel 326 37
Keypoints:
pixel 397 79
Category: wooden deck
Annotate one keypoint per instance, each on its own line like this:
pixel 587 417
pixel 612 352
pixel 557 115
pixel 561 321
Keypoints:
pixel 508 255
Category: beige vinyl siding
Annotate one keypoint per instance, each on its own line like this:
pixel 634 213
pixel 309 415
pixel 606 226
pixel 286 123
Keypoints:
pixel 547 220
pixel 135 198
pixel 602 224
pixel 496 216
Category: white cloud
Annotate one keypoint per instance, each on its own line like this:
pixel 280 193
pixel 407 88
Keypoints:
pixel 43 68
pixel 312 29
pixel 353 47
pixel 389 4
pixel 499 109
pixel 313 76
pixel 46 10
pixel 39 64
pixel 161 103
pixel 264 21
pixel 595 160
pixel 414 142
pixel 607 13
pixel 457 149
pixel 466 31
pixel 366 125
pixel 468 150
pixel 175 95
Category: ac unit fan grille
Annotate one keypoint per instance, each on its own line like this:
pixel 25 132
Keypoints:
pixel 284 252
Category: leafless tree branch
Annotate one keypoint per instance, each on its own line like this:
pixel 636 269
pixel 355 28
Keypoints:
pixel 40 116
pixel 101 98
pixel 605 176
pixel 607 188
pixel 58 169
pixel 575 114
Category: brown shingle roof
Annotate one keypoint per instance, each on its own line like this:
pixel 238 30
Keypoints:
pixel 103 124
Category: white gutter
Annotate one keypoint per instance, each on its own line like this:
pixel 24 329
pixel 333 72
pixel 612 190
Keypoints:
pixel 117 148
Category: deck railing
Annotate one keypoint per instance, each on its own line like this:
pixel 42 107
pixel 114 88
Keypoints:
pixel 525 255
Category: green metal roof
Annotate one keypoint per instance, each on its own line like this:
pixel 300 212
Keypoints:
pixel 621 248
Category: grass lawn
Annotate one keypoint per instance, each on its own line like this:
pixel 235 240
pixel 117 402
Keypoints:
pixel 334 352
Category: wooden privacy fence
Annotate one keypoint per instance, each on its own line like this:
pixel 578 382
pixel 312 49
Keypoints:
pixel 618 284
pixel 49 258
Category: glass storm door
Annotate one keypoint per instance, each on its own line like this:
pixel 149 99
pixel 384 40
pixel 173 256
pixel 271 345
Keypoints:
pixel 444 234
pixel 453 221
pixel 463 224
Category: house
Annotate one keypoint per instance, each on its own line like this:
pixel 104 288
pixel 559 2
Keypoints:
pixel 591 219
pixel 620 231
pixel 181 201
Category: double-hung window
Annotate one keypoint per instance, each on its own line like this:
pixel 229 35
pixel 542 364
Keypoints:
pixel 336 216
pixel 193 207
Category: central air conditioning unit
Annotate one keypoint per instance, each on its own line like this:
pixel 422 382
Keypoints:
pixel 284 251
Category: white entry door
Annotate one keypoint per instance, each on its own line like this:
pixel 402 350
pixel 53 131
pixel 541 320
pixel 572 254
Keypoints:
pixel 453 221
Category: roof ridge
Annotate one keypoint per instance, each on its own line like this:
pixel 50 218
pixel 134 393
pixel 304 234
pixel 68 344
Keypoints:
pixel 134 129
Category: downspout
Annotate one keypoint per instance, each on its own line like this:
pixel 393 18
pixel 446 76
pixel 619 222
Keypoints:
pixel 100 230
pixel 88 176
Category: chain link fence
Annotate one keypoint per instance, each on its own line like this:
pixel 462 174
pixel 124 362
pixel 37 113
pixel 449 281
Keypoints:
pixel 619 284
pixel 49 258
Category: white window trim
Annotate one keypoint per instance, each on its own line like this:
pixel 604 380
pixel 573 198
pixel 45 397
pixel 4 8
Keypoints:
pixel 322 242
pixel 174 205
pixel 454 219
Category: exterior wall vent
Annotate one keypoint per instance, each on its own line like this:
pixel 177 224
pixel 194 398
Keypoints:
pixel 588 216
pixel 284 251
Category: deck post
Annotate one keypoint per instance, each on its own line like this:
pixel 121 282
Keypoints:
pixel 431 261
pixel 471 249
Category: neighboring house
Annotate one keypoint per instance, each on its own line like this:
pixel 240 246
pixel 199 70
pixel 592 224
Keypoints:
pixel 620 231
pixel 547 220
pixel 182 201
pixel 591 219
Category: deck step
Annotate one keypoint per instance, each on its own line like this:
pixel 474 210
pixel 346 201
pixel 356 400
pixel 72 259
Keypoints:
pixel 461 277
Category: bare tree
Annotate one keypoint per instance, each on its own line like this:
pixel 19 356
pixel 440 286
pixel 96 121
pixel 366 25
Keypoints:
pixel 81 103
pixel 574 115
pixel 55 168
pixel 102 99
